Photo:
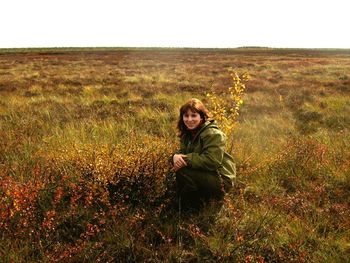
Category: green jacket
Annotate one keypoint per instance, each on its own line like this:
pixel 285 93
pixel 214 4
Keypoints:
pixel 206 151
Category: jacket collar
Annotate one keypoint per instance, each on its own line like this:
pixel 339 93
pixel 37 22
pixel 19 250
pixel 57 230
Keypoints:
pixel 205 125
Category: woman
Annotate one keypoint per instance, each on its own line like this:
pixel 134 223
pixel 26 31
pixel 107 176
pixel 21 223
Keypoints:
pixel 203 169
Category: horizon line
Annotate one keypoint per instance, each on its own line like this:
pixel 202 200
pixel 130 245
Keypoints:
pixel 168 47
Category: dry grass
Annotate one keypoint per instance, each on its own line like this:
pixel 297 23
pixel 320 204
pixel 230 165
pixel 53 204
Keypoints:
pixel 86 133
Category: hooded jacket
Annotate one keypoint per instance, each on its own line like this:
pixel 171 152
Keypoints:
pixel 206 151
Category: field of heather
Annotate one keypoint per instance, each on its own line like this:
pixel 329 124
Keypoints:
pixel 86 134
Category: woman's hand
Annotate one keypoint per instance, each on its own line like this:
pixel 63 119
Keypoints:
pixel 179 161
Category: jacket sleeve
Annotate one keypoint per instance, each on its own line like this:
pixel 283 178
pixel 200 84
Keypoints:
pixel 210 158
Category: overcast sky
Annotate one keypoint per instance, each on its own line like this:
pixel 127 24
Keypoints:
pixel 175 23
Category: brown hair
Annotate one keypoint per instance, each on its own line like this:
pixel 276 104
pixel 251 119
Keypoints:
pixel 194 105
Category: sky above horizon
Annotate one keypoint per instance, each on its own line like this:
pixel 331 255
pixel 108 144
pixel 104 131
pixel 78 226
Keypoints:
pixel 181 23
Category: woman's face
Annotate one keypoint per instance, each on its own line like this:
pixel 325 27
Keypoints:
pixel 191 119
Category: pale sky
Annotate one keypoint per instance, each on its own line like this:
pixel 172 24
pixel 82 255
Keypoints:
pixel 175 23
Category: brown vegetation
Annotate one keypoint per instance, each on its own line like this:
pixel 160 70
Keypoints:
pixel 85 140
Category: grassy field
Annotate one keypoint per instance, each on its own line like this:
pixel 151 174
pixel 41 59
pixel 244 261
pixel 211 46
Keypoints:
pixel 86 135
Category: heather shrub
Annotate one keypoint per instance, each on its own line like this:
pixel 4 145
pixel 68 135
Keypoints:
pixel 68 200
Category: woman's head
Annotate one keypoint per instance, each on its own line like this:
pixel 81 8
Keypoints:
pixel 192 115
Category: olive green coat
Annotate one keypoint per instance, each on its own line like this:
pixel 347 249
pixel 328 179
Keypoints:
pixel 206 151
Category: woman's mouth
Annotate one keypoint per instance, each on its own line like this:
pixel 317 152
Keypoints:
pixel 190 125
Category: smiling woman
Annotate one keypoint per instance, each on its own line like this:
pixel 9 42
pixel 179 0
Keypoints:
pixel 204 170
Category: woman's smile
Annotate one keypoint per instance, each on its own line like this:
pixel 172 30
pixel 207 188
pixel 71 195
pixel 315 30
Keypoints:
pixel 192 119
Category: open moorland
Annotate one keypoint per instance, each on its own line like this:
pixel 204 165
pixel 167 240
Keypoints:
pixel 86 134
